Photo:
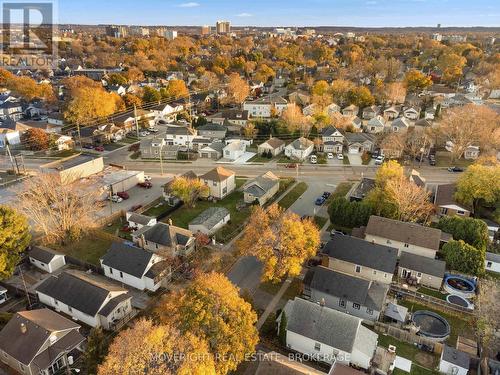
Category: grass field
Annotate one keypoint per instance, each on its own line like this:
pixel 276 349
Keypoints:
pixel 443 159
pixel 293 195
pixel 88 249
pixel 432 293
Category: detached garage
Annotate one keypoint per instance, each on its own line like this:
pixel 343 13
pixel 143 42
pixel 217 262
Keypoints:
pixel 46 259
pixel 123 180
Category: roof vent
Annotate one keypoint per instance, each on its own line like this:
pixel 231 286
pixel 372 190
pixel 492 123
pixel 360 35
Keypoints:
pixel 52 339
pixel 24 329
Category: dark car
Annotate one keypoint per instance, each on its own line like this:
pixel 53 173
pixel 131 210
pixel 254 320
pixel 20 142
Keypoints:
pixel 99 148
pixel 326 194
pixel 87 146
pixel 136 207
pixel 335 232
pixel 319 201
pixel 432 159
pixel 455 169
pixel 291 165
pixel 123 195
pixel 145 185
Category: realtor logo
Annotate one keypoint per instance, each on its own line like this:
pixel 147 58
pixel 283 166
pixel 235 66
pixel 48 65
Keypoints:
pixel 28 34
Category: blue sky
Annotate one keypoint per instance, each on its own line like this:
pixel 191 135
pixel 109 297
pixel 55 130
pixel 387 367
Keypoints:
pixel 370 13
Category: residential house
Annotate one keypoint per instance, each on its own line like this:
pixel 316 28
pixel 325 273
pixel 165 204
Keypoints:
pixel 180 135
pixel 361 189
pixel 332 108
pixel 9 137
pixel 445 202
pixel 171 199
pixel 235 118
pixel 210 220
pixel 11 110
pixel 221 182
pixel 165 239
pixel 310 110
pixel 453 361
pixel 64 142
pixel 273 145
pixel 213 151
pixel 136 267
pixel 234 150
pixel 46 259
pixel 471 153
pixel 212 131
pixel 328 335
pixel 199 143
pixel 400 125
pixel 492 262
pixel 348 294
pixel 422 270
pixel 354 121
pixel 299 149
pixel 261 189
pixel 86 298
pixel 356 257
pixel 376 125
pixel 301 98
pixel 165 112
pixel 265 107
pixel 411 113
pixel 410 237
pixel 370 112
pixel 109 133
pixel 138 221
pixel 39 342
pixel 357 143
pixel 332 140
pixel 397 313
pixel 423 124
pixel 391 113
pixel 351 110
pixel 156 148
pixel 117 89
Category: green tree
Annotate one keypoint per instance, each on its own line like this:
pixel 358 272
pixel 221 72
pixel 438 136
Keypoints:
pixel 462 257
pixel 282 331
pixel 349 214
pixel 150 94
pixel 117 79
pixel 360 96
pixel 479 185
pixel 96 350
pixel 472 231
pixel 14 239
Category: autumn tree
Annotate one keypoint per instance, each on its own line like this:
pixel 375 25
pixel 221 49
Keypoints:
pixel 452 66
pixel 479 185
pixel 189 190
pixel 131 100
pixel 150 95
pixel 26 87
pixel 264 73
pixel 470 125
pixel 360 96
pixel 14 239
pixel 237 89
pixel 294 119
pixel 462 257
pixel 152 349
pixel 176 89
pixel 60 211
pixel 212 310
pixel 416 81
pixel 36 139
pixel 280 240
pixel 208 81
pixel 134 74
pixel 395 92
pixel 340 89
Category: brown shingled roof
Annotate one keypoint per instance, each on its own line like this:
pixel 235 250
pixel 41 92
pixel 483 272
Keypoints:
pixel 217 174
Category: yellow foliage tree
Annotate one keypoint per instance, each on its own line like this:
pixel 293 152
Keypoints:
pixel 189 190
pixel 237 89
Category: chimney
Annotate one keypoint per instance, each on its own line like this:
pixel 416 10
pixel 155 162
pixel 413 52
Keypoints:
pixel 322 302
pixel 23 327
pixel 169 221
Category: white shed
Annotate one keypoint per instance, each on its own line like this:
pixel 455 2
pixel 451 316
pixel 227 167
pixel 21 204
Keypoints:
pixel 46 259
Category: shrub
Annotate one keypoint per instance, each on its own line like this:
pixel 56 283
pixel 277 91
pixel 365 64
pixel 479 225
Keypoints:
pixel 349 214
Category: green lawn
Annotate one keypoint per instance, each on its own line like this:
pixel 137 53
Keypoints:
pixel 432 293
pixel 259 159
pixel 320 221
pixel 346 161
pixel 65 153
pixel 459 326
pixel 89 249
pixel 159 207
pixel 493 275
pixel 129 140
pixel 115 229
pixel 415 370
pixel 407 350
pixel 293 195
pixel 341 190
pixel 287 160
pixel 443 159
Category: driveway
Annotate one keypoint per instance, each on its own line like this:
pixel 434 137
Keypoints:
pixel 355 159
pixel 245 273
pixel 305 204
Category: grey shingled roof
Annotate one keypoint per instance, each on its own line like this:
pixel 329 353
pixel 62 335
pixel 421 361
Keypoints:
pixel 350 288
pixel 210 217
pixel 492 257
pixel 128 259
pixel 166 235
pixel 112 303
pixel 357 251
pixel 43 254
pixel 456 357
pixel 321 324
pixel 262 184
pixel 410 233
pixel 396 312
pixel 78 291
pixel 139 219
pixel 422 264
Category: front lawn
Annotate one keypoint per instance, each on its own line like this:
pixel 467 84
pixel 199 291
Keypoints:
pixel 293 195
pixel 345 160
pixel 341 190
pixel 89 249
pixel 443 159
pixel 115 227
pixel 259 159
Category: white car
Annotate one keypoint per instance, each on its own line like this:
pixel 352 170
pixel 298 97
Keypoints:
pixel 153 130
pixel 115 199
pixel 144 134
pixel 147 178
pixel 340 156
pixel 329 155
pixel 313 159
pixel 379 160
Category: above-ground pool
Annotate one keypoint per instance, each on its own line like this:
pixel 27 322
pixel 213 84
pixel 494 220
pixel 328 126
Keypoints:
pixel 431 325
pixel 460 286
pixel 460 301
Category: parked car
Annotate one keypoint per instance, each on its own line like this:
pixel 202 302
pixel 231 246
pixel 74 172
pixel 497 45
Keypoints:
pixel 340 156
pixel 144 134
pixel 455 169
pixel 326 194
pixel 136 207
pixel 329 155
pixel 147 177
pixel 145 184
pixel 335 232
pixel 379 160
pixel 432 159
pixel 291 165
pixel 115 198
pixel 313 159
pixel 319 201
pixel 99 148
pixel 153 130
pixel 88 147
pixel 123 195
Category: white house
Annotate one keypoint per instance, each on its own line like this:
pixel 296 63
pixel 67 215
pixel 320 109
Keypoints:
pixel 9 136
pixel 138 221
pixel 391 113
pixel 328 335
pixel 411 113
pixel 64 142
pixel 471 153
pixel 46 259
pixel 492 262
pixel 221 182
pixel 264 107
pixel 375 125
pixel 453 361
pixel 136 267
pixel 299 149
pixel 234 150
pixel 180 135
pixel 210 220
pixel 333 140
pixel 86 298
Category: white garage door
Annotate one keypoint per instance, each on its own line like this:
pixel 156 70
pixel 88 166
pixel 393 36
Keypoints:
pixel 354 150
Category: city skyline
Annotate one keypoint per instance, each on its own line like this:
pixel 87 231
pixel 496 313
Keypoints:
pixel 357 13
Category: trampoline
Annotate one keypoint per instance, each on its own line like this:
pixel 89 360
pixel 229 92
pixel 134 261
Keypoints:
pixel 460 301
pixel 431 325
pixel 460 286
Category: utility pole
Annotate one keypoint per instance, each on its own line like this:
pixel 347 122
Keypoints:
pixel 136 122
pixel 111 199
pixel 10 156
pixel 79 134
pixel 25 288
pixel 161 158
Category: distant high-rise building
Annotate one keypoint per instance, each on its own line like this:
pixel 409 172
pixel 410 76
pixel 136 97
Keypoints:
pixel 223 27
pixel 439 26
pixel 158 31
pixel 491 40
pixel 171 34
pixel 116 31
pixel 139 31
pixel 437 37
pixel 205 30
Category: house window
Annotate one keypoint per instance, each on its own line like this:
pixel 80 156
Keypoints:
pixel 369 311
pixel 56 303
pixel 374 272
pixel 317 346
pixel 489 264
pixel 406 245
pixel 388 242
pixel 110 270
pixel 121 274
pixel 70 309
pixel 356 306
pixel 156 245
pixel 357 269
pixel 419 274
pixel 214 183
pixel 224 190
pixel 444 211
pixel 460 212
pixel 342 303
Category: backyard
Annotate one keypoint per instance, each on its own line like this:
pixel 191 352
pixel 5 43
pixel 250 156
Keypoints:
pixel 89 248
